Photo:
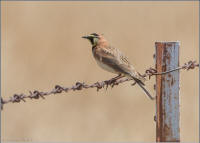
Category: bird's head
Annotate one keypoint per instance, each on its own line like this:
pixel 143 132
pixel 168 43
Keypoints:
pixel 93 38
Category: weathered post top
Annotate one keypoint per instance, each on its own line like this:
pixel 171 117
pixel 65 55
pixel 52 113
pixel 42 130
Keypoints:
pixel 167 92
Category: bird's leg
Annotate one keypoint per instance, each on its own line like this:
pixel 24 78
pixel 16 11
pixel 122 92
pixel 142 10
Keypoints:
pixel 113 80
pixel 117 77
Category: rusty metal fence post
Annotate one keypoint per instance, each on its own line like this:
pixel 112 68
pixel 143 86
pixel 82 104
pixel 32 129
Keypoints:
pixel 167 92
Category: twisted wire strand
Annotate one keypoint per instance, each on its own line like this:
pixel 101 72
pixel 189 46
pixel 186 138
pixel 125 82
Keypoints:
pixel 16 98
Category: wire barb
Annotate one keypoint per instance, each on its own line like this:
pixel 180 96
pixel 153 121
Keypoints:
pixel 17 98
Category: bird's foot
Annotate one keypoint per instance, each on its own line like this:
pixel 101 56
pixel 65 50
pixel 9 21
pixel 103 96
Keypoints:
pixel 112 82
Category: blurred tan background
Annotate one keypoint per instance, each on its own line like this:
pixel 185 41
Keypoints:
pixel 42 47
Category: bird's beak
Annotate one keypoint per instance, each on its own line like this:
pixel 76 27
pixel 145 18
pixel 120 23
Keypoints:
pixel 86 37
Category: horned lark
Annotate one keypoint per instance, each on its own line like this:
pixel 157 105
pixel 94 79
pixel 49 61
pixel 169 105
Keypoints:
pixel 111 59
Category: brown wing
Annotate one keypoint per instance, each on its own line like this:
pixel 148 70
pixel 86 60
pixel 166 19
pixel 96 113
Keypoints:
pixel 115 59
pixel 119 62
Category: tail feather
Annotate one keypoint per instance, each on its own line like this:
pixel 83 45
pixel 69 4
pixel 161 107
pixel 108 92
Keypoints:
pixel 147 93
pixel 141 84
pixel 139 81
pixel 138 77
pixel 141 78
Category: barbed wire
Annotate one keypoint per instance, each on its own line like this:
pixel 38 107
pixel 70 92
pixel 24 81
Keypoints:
pixel 16 98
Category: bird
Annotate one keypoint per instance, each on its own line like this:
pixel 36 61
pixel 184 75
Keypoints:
pixel 113 60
